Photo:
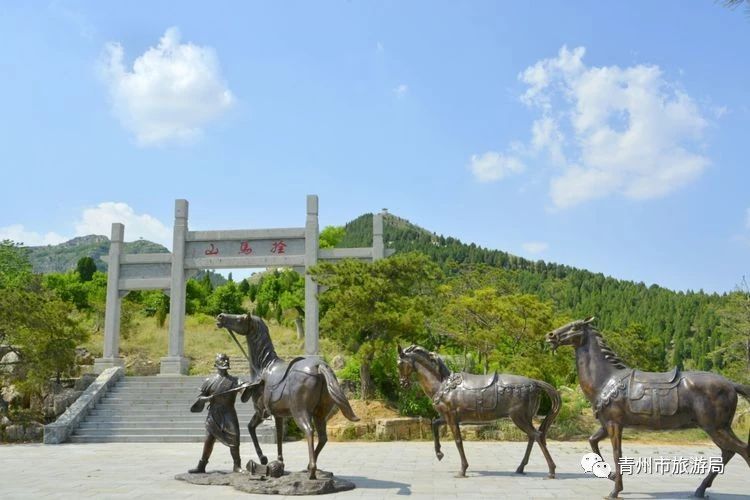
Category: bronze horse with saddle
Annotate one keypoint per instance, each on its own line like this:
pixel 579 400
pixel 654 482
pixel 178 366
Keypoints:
pixel 625 397
pixel 305 389
pixel 465 398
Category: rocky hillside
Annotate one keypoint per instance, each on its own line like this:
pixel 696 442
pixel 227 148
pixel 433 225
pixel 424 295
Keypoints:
pixel 64 257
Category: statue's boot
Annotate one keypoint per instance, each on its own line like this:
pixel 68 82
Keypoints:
pixel 235 451
pixel 200 469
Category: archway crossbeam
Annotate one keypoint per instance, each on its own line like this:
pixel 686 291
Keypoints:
pixel 223 249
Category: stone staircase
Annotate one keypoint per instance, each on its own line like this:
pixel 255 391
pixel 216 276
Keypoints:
pixel 157 410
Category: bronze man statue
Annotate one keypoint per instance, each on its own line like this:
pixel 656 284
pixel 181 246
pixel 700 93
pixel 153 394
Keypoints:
pixel 220 392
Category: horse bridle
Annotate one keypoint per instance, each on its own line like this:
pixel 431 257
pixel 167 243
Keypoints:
pixel 575 331
pixel 406 358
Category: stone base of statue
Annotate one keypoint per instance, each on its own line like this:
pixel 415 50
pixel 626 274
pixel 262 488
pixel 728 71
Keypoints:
pixel 259 479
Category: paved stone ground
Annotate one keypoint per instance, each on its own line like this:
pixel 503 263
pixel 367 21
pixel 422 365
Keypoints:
pixel 380 470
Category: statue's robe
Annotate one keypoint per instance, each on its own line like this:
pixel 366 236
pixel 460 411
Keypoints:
pixel 221 421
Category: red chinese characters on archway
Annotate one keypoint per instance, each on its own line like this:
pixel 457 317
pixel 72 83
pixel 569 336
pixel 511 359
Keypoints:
pixel 245 248
pixel 278 247
pixel 212 250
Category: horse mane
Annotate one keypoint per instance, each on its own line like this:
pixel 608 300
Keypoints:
pixel 610 355
pixel 260 345
pixel 431 358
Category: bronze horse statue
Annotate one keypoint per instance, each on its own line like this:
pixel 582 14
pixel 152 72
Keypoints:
pixel 305 389
pixel 622 396
pixel 466 398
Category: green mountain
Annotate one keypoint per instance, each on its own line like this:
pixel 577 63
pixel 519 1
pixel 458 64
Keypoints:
pixel 64 257
pixel 679 324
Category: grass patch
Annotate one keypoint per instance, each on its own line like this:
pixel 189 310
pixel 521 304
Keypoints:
pixel 143 344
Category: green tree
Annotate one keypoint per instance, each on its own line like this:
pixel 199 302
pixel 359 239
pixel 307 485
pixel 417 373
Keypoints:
pixel 68 287
pixel 733 352
pixel 331 236
pixel 156 304
pixel 15 268
pixel 280 292
pixel 638 350
pixel 86 267
pixel 367 307
pixel 497 327
pixel 244 287
pixel 225 298
pixel 41 327
pixel 35 321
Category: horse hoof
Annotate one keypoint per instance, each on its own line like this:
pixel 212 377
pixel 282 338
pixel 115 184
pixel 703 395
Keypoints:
pixel 461 475
pixel 520 471
pixel 439 455
pixel 551 475
pixel 263 460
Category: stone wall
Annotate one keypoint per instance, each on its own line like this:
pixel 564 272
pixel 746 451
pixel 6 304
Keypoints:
pixel 59 431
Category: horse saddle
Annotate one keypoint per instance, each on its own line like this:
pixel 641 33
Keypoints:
pixel 277 375
pixel 482 388
pixel 478 382
pixel 653 393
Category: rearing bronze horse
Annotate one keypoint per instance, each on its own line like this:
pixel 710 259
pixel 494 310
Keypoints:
pixel 624 397
pixel 305 389
pixel 466 398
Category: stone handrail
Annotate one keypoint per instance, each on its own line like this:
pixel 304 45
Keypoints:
pixel 60 430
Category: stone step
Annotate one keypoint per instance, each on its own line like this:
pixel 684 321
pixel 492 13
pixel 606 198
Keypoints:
pixel 155 390
pixel 144 400
pixel 152 378
pixel 149 431
pixel 184 438
pixel 137 424
pixel 155 409
pixel 196 384
pixel 137 417
pixel 174 410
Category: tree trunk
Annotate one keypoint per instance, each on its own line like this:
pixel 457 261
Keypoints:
pixel 365 380
pixel 300 325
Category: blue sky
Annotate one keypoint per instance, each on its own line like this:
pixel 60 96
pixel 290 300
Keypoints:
pixel 608 136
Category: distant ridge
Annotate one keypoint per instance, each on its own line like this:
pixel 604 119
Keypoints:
pixel 681 323
pixel 64 256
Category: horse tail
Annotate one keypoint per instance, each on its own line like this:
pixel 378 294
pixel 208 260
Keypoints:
pixel 554 397
pixel 742 389
pixel 337 394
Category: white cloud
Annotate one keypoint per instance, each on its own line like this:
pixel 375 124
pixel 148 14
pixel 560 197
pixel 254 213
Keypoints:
pixel 720 111
pixel 546 136
pixel 535 247
pixel 612 130
pixel 493 166
pixel 19 234
pixel 98 220
pixel 401 90
pixel 172 92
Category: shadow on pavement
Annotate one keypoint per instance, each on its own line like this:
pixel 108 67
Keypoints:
pixel 672 495
pixel 366 482
pixel 540 475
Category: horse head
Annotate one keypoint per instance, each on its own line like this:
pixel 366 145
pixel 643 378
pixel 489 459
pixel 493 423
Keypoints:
pixel 405 366
pixel 570 334
pixel 238 323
